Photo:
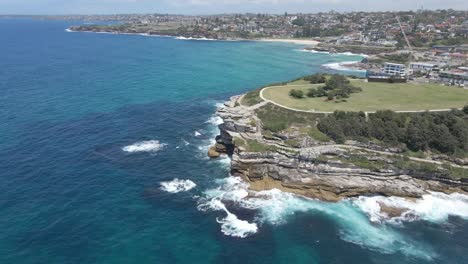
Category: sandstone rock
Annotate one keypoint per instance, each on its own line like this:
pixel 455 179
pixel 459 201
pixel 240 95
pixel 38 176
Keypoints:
pixel 306 172
pixel 392 211
pixel 212 153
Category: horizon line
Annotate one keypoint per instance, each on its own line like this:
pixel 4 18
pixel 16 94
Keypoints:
pixel 234 13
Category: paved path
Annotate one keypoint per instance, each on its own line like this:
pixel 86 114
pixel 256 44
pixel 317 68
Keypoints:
pixel 323 112
pixel 259 137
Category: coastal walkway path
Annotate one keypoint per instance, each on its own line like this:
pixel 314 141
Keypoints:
pixel 259 137
pixel 324 112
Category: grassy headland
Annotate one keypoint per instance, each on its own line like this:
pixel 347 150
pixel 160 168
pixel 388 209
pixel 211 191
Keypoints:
pixel 374 97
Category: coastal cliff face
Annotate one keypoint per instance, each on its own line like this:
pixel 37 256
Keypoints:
pixel 315 169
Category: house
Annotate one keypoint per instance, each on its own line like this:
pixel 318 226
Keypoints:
pixel 454 77
pixel 422 67
pixel 394 69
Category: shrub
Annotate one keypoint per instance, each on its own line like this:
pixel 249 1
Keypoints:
pixel 296 93
pixel 445 132
pixel 312 92
pixel 465 109
pixel 316 78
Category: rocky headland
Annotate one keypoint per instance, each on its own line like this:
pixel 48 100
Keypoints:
pixel 295 161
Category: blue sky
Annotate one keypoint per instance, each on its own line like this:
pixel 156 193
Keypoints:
pixel 215 6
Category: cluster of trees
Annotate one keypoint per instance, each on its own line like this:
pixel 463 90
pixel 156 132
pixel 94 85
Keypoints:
pixel 444 132
pixel 316 78
pixel 337 86
pixel 296 93
pixel 311 31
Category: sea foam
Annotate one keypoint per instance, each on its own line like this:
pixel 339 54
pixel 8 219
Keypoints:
pixel 176 186
pixel 230 189
pixel 210 133
pixel 191 38
pixel 341 66
pixel 145 146
pixel 335 54
pixel 433 207
pixel 275 207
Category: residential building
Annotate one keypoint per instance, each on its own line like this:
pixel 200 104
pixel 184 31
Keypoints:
pixel 454 77
pixel 422 67
pixel 394 69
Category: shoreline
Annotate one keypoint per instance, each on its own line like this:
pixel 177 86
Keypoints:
pixel 347 66
pixel 316 169
pixel 180 37
pixel 308 42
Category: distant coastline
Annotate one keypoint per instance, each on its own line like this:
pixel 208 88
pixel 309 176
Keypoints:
pixel 306 42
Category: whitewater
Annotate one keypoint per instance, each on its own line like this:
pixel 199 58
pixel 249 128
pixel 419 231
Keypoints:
pixel 100 162
pixel 361 220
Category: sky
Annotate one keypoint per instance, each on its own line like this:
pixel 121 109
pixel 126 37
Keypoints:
pixel 216 6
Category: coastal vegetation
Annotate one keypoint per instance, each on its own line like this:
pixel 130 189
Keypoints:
pixel 414 133
pixel 336 87
pixel 411 135
pixel 251 98
pixel 342 154
pixel 298 94
pixel 403 163
pixel 275 118
pixel 373 97
pixel 442 132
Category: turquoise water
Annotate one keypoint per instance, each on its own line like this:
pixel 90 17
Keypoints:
pixel 69 192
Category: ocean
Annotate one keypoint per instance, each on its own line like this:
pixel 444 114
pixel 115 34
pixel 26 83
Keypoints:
pixel 103 142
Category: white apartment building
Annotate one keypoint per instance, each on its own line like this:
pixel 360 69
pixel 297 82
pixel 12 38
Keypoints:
pixel 394 69
pixel 422 67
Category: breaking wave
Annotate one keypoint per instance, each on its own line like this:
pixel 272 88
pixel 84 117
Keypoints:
pixel 176 186
pixel 230 189
pixel 231 225
pixel 214 120
pixel 274 207
pixel 209 133
pixel 191 38
pixel 327 52
pixel 433 207
pixel 145 146
pixel 341 66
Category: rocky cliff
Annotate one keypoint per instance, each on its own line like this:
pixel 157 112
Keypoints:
pixel 322 170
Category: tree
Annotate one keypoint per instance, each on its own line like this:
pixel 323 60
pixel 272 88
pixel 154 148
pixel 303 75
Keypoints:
pixel 296 93
pixel 442 140
pixel 445 132
pixel 316 78
pixel 312 92
pixel 417 134
pixel 300 21
pixel 465 109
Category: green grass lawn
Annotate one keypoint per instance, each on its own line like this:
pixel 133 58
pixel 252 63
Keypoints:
pixel 374 96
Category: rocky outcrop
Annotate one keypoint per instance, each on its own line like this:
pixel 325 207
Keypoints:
pixel 316 171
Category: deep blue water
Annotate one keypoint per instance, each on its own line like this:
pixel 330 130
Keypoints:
pixel 69 103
